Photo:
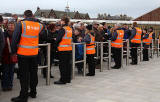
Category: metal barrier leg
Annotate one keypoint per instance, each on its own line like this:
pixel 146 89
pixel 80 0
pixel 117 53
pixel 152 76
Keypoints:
pixel 84 69
pixel 101 68
pixel 122 57
pixel 73 61
pixel 141 52
pixel 109 55
pixel 127 63
pixel 158 49
pixel 49 65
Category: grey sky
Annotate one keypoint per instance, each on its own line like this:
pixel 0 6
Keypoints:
pixel 132 8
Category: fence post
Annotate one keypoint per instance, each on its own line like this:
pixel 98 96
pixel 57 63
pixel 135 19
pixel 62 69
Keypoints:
pixel 48 62
pixel 73 60
pixel 109 55
pixel 84 69
pixel 127 63
pixel 101 68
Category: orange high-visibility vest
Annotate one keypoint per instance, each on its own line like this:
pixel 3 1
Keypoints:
pixel 150 37
pixel 66 43
pixel 28 45
pixel 137 37
pixel 118 43
pixel 146 41
pixel 90 48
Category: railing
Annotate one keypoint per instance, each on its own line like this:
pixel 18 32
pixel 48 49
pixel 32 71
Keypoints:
pixel 74 62
pixel 48 45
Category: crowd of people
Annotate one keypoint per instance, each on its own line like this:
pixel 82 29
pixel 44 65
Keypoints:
pixel 19 41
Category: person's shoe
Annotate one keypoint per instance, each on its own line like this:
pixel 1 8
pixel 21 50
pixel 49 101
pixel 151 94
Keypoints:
pixel 51 76
pixel 68 82
pixel 32 94
pixel 133 63
pixel 90 74
pixel 19 99
pixel 116 67
pixel 59 83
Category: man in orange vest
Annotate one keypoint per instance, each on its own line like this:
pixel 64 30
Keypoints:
pixel 135 40
pixel 117 44
pixel 25 41
pixel 146 43
pixel 64 43
pixel 90 50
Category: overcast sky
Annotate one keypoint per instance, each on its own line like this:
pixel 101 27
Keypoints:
pixel 132 8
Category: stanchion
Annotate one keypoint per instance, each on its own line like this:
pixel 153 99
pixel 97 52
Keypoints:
pixel 73 60
pixel 122 57
pixel 109 55
pixel 101 66
pixel 141 51
pixel 127 61
pixel 84 57
pixel 48 62
pixel 157 47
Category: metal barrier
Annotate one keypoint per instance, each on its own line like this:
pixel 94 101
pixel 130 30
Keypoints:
pixel 127 53
pixel 48 45
pixel 74 62
pixel 103 57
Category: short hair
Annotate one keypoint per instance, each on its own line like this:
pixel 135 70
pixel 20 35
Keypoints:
pixel 28 13
pixel 65 19
pixel 1 18
pixel 134 24
pixel 151 28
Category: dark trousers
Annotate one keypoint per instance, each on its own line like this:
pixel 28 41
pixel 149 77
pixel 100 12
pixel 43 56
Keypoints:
pixel 65 66
pixel 7 75
pixel 91 64
pixel 134 52
pixel 145 55
pixel 117 56
pixel 28 68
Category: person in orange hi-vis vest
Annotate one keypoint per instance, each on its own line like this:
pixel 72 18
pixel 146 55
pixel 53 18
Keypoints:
pixel 117 44
pixel 90 50
pixel 135 42
pixel 64 44
pixel 146 44
pixel 25 42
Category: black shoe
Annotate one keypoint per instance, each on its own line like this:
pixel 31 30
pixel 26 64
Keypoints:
pixel 59 83
pixel 6 89
pixel 116 67
pixel 89 74
pixel 68 82
pixel 32 94
pixel 51 76
pixel 19 99
pixel 133 63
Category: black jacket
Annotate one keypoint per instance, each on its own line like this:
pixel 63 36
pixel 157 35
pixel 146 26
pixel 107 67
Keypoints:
pixel 17 35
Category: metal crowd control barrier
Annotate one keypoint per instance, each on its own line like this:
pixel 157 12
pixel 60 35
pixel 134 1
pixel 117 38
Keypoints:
pixel 127 53
pixel 102 55
pixel 98 45
pixel 48 45
pixel 157 47
pixel 74 59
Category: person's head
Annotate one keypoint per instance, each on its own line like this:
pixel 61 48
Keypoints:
pixel 15 17
pixel 95 25
pixel 11 25
pixel 144 31
pixel 28 14
pixel 116 26
pixel 65 21
pixel 1 19
pixel 151 29
pixel 89 29
pixel 134 24
pixel 77 31
pixel 125 26
pixel 5 23
pixel 52 27
pixel 104 25
pixel 100 27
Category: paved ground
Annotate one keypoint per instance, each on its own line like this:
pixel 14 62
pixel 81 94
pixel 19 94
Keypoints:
pixel 139 83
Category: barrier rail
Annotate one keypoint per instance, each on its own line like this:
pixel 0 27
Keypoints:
pixel 48 45
pixel 127 53
pixel 74 59
pixel 102 56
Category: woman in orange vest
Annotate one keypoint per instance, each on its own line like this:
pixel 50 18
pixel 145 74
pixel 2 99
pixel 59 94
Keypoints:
pixel 146 43
pixel 117 44
pixel 90 50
